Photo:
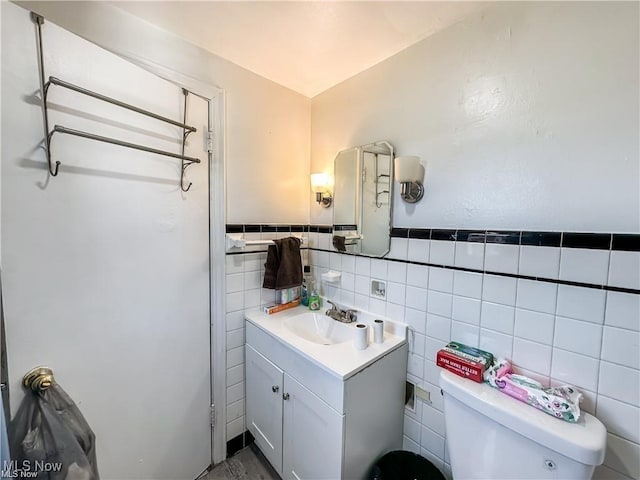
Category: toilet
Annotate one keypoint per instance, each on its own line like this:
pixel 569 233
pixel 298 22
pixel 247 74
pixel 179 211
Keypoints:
pixel 493 436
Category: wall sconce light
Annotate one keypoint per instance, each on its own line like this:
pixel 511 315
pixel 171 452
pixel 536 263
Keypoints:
pixel 410 173
pixel 321 185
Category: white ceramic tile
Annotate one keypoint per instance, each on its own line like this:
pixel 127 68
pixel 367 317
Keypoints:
pixel 348 263
pixel 347 281
pixel 467 284
pixel 234 282
pixel 585 265
pixel 497 317
pixel 397 272
pixel 418 250
pixel 437 400
pixel 335 261
pixel 362 285
pixel 325 241
pixel 538 377
pixel 314 241
pixel 432 442
pixel 363 266
pixel 624 270
pixel 409 445
pixel 621 346
pixel 542 262
pixel 361 302
pixel 379 268
pixel 442 252
pixel 377 306
pixel 235 320
pixel 323 259
pixel 532 356
pixel 235 428
pixel 235 356
pixel 395 311
pixel 267 296
pixel 417 275
pixel 534 326
pixel 416 298
pixel 347 298
pixel 537 296
pixel 439 327
pixel 439 303
pixel 499 289
pixel 575 369
pixel 416 319
pixel 431 347
pixel 433 419
pixel 254 262
pixel 466 310
pixel 578 336
pixel 623 456
pixel 431 372
pixel 623 310
pixel 441 279
pixel 581 303
pixel 235 410
pixel 398 248
pixel 396 293
pixel 499 344
pixel 501 258
pixel 235 338
pixel 602 472
pixel 234 263
pixel 234 301
pixel 235 375
pixel 469 255
pixel 412 428
pixel 415 365
pixel 465 333
pixel 252 280
pixel 620 418
pixel 252 298
pixel 416 343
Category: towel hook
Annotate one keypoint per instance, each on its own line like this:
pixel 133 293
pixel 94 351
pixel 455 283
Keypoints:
pixel 38 379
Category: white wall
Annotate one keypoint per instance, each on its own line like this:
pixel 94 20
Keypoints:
pixel 267 125
pixel 526 116
pixel 105 266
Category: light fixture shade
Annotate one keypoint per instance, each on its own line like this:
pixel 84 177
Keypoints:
pixel 408 169
pixel 320 182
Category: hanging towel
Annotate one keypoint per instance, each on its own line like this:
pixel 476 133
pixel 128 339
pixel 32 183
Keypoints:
pixel 284 266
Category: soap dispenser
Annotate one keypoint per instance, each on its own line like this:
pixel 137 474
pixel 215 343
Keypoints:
pixel 314 298
pixel 304 294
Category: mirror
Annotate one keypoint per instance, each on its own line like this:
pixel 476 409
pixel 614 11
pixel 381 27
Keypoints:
pixel 363 182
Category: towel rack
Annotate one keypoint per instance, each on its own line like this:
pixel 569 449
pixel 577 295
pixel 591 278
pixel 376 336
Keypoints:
pixel 44 88
pixel 238 241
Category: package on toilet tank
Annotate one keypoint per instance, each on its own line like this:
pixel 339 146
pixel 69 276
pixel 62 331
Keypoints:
pixel 465 361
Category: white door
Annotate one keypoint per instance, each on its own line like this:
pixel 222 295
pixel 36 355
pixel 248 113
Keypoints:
pixel 313 435
pixel 106 266
pixel 264 405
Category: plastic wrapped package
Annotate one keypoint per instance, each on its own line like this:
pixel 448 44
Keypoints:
pixel 50 438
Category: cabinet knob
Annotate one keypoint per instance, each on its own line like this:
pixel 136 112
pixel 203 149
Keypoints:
pixel 285 396
pixel 275 388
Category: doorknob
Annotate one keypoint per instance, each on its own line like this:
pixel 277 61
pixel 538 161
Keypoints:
pixel 275 388
pixel 285 396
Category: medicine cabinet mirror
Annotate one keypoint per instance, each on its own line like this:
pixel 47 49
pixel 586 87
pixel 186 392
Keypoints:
pixel 363 181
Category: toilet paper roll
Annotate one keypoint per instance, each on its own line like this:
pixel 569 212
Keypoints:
pixel 378 331
pixel 362 337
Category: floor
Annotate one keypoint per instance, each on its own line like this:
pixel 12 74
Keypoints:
pixel 247 464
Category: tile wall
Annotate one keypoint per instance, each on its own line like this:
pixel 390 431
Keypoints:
pixel 564 307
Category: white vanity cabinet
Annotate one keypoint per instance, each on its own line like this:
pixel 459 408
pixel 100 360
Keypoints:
pixel 311 423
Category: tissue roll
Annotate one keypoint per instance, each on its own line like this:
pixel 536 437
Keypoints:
pixel 361 341
pixel 378 331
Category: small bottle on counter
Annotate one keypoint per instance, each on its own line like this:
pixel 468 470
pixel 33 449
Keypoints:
pixel 314 298
pixel 304 295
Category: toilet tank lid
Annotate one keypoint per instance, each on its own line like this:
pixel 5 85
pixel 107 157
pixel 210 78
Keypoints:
pixel 584 441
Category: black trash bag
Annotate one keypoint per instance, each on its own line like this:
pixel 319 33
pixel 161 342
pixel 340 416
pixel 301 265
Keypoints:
pixel 404 465
pixel 51 439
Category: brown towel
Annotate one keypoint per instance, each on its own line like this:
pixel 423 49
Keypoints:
pixel 284 266
pixel 339 242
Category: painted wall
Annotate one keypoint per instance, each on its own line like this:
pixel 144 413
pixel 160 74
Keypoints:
pixel 267 125
pixel 105 266
pixel 526 116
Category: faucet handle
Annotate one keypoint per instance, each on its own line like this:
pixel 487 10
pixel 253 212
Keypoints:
pixel 350 314
pixel 333 305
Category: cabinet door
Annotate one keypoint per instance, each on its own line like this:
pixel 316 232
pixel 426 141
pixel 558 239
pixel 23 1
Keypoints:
pixel 313 435
pixel 264 405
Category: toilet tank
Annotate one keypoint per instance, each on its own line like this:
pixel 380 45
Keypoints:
pixel 493 436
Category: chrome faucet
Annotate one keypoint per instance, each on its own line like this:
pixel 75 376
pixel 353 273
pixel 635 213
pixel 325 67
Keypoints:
pixel 344 316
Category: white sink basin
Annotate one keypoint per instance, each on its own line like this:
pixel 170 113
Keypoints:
pixel 319 328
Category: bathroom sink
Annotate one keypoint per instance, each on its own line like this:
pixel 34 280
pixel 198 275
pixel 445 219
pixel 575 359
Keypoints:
pixel 319 328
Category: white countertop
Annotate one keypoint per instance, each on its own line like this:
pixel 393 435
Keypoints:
pixel 342 359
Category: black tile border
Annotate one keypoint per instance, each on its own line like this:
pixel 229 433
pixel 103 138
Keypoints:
pixel 596 241
pixel 238 442
pixel 625 242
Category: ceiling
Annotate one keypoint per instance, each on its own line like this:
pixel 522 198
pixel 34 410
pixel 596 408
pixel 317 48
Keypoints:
pixel 307 46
